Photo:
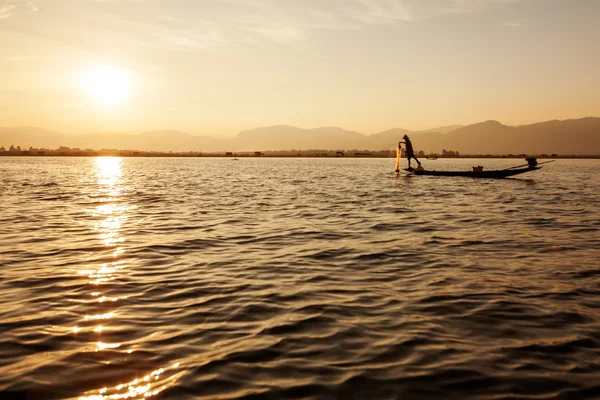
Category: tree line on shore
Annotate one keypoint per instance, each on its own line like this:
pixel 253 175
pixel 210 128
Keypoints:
pixel 387 153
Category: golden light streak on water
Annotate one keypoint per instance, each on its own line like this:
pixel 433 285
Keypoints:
pixel 109 173
pixel 147 386
pixel 103 346
pixel 113 217
pixel 100 316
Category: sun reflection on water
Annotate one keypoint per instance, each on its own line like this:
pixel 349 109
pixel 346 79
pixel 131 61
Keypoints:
pixel 109 216
pixel 100 316
pixel 109 172
pixel 146 386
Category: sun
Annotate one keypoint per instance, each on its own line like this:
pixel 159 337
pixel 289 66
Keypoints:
pixel 107 85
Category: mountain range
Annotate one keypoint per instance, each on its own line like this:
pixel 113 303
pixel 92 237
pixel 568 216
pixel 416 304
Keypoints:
pixel 574 136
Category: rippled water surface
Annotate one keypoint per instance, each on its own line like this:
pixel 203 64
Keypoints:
pixel 297 278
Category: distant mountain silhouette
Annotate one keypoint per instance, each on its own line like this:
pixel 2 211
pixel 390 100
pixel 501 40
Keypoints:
pixel 166 133
pixel 284 137
pixel 575 136
pixel 443 129
pixel 151 141
pixel 26 136
pixel 386 139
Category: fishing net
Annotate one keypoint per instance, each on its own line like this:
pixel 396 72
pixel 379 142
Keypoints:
pixel 398 155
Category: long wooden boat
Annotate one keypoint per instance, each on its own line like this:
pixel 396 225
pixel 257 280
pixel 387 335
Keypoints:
pixel 478 172
pixel 474 174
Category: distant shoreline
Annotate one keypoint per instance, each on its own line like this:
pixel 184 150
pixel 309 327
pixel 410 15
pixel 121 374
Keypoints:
pixel 277 154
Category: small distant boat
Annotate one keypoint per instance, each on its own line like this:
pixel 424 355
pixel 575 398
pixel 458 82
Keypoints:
pixel 432 158
pixel 234 159
pixel 478 172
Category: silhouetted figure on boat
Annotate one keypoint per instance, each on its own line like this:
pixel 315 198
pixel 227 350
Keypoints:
pixel 410 153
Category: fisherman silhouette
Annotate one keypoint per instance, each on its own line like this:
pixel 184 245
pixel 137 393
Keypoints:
pixel 410 153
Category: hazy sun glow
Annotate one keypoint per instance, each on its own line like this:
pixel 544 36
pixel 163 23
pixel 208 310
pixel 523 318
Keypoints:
pixel 107 85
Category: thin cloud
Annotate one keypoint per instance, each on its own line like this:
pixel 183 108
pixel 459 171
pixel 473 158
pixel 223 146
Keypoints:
pixel 32 7
pixel 321 19
pixel 257 22
pixel 380 11
pixel 13 7
pixel 284 22
pixel 205 25
pixel 192 41
pixel 287 22
pixel 280 34
pixel 7 10
pixel 470 6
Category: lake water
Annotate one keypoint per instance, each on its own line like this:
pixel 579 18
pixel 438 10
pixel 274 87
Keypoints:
pixel 297 278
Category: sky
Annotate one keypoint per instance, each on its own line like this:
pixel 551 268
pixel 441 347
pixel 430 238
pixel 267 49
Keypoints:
pixel 216 67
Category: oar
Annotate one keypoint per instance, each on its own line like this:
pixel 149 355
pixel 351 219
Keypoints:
pixel 524 165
